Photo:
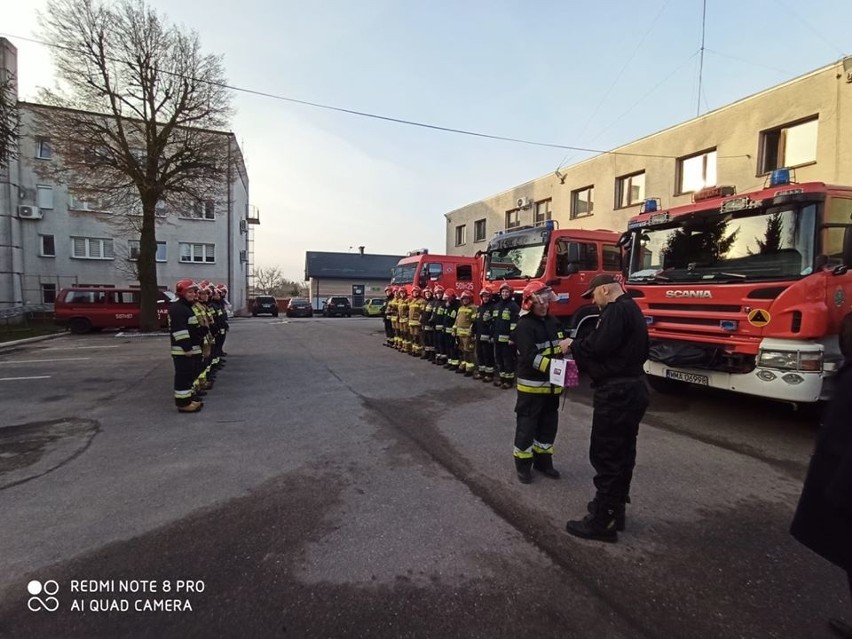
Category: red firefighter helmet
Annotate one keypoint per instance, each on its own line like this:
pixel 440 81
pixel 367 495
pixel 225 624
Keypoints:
pixel 439 290
pixel 466 295
pixel 222 288
pixel 486 290
pixel 427 290
pixel 506 285
pixel 536 292
pixel 450 293
pixel 415 291
pixel 184 285
pixel 388 289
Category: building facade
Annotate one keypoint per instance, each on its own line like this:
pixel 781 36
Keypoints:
pixel 356 276
pixel 50 240
pixel 805 124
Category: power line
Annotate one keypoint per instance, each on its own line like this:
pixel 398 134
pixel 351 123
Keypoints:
pixel 366 114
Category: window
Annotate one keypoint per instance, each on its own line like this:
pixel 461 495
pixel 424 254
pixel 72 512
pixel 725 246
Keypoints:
pixel 582 202
pixel 90 204
pixel 44 196
pixel 202 211
pixel 479 231
pixel 133 250
pixel 464 273
pixel 838 211
pixel 696 172
pixel 430 273
pixel 92 248
pixel 44 151
pixel 629 190
pixel 48 293
pixel 611 258
pixel 587 256
pixel 47 246
pixel 513 218
pixel 461 234
pixel 199 253
pixel 542 211
pixel 85 297
pixel 788 145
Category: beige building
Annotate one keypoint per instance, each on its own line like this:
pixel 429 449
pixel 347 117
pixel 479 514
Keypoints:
pixel 805 123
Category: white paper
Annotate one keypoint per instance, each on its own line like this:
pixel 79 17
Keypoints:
pixel 557 372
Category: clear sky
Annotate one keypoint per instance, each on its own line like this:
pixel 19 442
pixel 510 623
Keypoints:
pixel 589 74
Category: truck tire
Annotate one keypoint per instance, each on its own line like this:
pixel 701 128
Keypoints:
pixel 666 386
pixel 79 325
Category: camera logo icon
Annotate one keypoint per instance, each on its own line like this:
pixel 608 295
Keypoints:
pixel 48 602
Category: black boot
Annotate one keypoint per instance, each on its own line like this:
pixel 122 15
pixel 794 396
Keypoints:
pixel 620 515
pixel 524 469
pixel 598 525
pixel 543 463
pixel 840 628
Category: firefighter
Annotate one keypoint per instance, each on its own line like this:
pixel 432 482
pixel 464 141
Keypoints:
pixel 437 321
pixel 392 312
pixel 539 341
pixel 204 376
pixel 482 336
pixel 389 297
pixel 415 310
pixel 463 331
pixel 451 307
pixel 505 318
pixel 219 316
pixel 405 342
pixel 222 292
pixel 186 339
pixel 427 326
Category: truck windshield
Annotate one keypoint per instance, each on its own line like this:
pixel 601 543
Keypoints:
pixel 403 274
pixel 517 262
pixel 753 244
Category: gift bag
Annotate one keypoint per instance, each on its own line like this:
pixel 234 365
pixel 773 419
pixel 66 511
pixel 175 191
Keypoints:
pixel 572 374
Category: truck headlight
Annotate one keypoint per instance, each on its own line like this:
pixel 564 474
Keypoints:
pixel 784 360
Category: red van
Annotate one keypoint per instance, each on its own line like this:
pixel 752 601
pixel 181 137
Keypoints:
pixel 86 309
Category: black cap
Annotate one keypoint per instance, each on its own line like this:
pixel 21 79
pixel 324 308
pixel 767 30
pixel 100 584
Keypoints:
pixel 599 280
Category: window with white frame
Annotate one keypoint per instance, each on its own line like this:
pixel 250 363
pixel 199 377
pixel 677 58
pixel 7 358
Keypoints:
pixel 205 210
pixel 91 204
pixel 461 234
pixel 133 250
pixel 479 230
pixel 789 145
pixel 696 172
pixel 92 248
pixel 44 151
pixel 542 211
pixel 44 196
pixel 47 246
pixel 197 253
pixel 513 218
pixel 582 202
pixel 629 190
pixel 48 292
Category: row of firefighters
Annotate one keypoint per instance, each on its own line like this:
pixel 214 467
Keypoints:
pixel 198 325
pixel 450 330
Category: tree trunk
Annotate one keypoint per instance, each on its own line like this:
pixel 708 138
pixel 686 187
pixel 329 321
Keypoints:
pixel 147 268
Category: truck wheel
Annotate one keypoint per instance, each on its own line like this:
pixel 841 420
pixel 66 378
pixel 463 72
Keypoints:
pixel 79 325
pixel 666 386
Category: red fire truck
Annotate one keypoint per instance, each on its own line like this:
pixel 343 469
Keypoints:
pixel 565 259
pixel 423 269
pixel 745 292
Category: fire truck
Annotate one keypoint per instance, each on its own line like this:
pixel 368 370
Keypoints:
pixel 564 259
pixel 421 268
pixel 745 292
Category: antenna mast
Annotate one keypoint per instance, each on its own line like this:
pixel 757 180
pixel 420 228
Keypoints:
pixel 701 59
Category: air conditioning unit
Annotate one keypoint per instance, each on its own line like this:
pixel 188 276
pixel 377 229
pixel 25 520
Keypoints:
pixel 29 212
pixel 243 256
pixel 243 226
pixel 524 202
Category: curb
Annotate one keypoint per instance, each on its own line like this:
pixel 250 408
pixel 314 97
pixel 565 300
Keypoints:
pixel 29 340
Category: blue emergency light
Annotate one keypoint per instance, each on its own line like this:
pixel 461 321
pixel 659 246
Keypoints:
pixel 548 224
pixel 649 206
pixel 779 177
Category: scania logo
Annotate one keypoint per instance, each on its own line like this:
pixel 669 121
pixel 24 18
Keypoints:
pixel 699 294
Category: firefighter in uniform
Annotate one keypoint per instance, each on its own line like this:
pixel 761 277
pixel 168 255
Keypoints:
pixel 186 341
pixel 427 325
pixel 405 343
pixel 392 312
pixel 437 321
pixel 220 297
pixel 505 318
pixel 203 376
pixel 463 331
pixel 451 308
pixel 539 340
pixel 415 310
pixel 482 335
pixel 389 297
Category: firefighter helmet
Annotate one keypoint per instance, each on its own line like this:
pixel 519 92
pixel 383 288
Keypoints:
pixel 415 291
pixel 536 292
pixel 466 295
pixel 388 289
pixel 184 285
pixel 450 293
pixel 506 285
pixel 487 290
pixel 427 290
pixel 439 290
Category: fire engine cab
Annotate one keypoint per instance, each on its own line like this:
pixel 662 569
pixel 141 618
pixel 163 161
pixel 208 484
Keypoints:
pixel 564 259
pixel 421 268
pixel 745 292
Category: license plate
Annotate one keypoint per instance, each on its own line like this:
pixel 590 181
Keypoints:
pixel 692 378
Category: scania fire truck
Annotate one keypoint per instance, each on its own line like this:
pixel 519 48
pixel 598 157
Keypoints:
pixel 565 259
pixel 745 292
pixel 421 268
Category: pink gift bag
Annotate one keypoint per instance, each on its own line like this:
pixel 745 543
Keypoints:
pixel 572 375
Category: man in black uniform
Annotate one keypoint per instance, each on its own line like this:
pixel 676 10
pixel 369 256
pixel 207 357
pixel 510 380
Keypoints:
pixel 539 340
pixel 612 356
pixel 186 339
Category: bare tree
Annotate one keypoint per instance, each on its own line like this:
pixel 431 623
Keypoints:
pixel 9 122
pixel 140 119
pixel 270 281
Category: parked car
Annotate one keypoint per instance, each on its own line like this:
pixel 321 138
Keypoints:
pixel 299 307
pixel 84 309
pixel 337 306
pixel 374 307
pixel 264 304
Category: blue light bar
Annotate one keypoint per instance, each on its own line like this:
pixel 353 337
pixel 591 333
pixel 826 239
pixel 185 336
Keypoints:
pixel 548 224
pixel 779 177
pixel 649 206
